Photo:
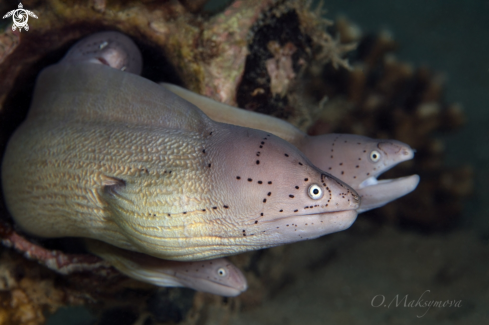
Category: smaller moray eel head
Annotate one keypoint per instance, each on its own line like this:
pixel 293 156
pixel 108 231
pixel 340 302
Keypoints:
pixel 355 159
pixel 217 276
pixel 109 48
pixel 359 160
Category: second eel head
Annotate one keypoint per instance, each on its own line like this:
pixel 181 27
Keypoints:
pixel 358 161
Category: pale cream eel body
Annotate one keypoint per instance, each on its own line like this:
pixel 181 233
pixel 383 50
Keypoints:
pixel 109 155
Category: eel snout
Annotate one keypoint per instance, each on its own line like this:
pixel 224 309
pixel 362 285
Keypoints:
pixel 394 152
pixel 218 276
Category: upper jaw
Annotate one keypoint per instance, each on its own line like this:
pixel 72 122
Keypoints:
pixel 391 149
pixel 396 149
pixel 375 193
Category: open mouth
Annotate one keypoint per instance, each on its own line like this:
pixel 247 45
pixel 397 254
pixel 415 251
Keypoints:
pixel 369 182
pixel 376 193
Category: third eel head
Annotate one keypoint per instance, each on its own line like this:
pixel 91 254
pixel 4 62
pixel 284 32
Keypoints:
pixel 108 48
pixel 109 155
pixel 217 276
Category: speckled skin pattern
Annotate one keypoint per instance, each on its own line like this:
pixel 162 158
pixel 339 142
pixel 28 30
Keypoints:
pixel 358 161
pixel 109 155
pixel 355 159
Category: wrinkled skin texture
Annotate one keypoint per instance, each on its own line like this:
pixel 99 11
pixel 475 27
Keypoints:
pixel 109 155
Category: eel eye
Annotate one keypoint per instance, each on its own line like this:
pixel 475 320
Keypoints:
pixel 375 156
pixel 315 192
pixel 222 272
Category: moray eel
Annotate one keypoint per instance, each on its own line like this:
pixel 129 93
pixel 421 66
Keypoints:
pixel 109 155
pixel 354 159
pixel 217 276
pixel 358 161
pixel 108 48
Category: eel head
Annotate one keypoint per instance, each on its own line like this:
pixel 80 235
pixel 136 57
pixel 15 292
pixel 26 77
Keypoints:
pixel 359 160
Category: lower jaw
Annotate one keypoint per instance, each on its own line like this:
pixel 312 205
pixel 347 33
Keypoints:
pixel 297 228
